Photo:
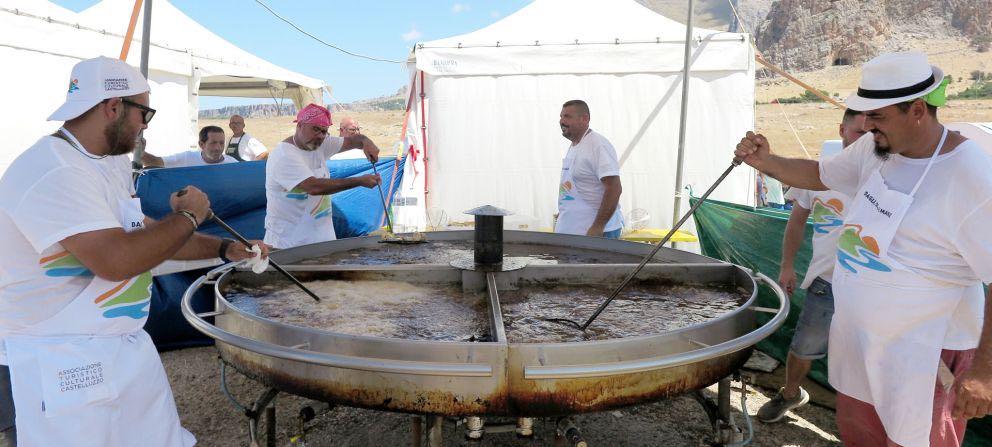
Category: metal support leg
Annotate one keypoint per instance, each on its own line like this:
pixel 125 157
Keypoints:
pixel 474 427
pixel 417 430
pixel 270 425
pixel 435 435
pixel 725 430
pixel 525 427
pixel 568 434
pixel 253 414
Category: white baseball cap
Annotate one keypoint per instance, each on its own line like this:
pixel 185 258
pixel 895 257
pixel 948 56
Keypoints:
pixel 97 79
pixel 892 78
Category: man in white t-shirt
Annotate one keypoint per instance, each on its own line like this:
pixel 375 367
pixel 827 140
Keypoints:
pixel 589 188
pixel 242 146
pixel 211 152
pixel 298 184
pixel 75 287
pixel 908 355
pixel 809 341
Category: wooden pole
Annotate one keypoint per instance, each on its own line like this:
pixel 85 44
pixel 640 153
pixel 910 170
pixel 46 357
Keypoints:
pixel 130 30
pixel 761 60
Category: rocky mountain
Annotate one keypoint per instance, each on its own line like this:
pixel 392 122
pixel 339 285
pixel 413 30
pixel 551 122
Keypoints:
pixel 802 35
pixel 396 101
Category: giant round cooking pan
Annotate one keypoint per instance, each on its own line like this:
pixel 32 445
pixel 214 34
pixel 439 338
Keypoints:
pixel 399 328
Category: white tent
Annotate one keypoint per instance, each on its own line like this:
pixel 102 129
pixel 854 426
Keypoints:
pixel 40 42
pixel 491 99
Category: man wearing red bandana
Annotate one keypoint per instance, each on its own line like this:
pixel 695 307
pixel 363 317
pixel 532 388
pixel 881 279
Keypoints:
pixel 298 185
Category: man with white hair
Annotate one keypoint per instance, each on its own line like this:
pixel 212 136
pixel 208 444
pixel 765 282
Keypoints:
pixel 908 354
pixel 75 287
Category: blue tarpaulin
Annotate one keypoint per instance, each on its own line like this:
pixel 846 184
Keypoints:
pixel 237 196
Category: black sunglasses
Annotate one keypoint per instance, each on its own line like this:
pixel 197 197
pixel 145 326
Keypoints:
pixel 147 113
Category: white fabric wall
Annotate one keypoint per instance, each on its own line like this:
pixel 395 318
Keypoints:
pixel 496 140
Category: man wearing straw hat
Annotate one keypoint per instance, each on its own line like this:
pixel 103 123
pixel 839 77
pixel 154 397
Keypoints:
pixel 298 184
pixel 908 355
pixel 75 286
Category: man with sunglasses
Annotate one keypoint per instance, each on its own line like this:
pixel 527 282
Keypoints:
pixel 298 184
pixel 75 287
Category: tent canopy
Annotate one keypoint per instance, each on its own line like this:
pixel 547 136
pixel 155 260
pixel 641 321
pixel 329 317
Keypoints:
pixel 491 100
pixel 41 42
pixel 225 69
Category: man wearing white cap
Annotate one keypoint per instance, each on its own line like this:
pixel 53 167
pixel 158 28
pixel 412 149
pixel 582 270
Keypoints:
pixel 908 354
pixel 74 282
pixel 298 184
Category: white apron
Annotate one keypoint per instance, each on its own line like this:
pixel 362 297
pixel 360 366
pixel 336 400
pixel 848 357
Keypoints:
pixel 889 323
pixel 89 375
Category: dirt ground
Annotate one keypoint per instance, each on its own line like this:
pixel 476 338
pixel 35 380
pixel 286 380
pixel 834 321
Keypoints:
pixel 206 412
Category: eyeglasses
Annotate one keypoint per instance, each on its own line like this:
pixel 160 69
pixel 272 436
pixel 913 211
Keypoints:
pixel 353 129
pixel 147 113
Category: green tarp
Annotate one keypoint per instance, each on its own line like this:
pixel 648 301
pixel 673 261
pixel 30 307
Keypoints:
pixel 752 237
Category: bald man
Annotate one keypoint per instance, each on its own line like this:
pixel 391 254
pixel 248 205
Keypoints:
pixel 349 127
pixel 241 146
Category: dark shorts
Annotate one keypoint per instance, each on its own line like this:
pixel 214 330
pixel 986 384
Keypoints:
pixel 813 329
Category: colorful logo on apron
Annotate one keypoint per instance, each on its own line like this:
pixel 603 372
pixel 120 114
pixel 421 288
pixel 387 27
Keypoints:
pixel 854 251
pixel 130 298
pixel 63 264
pixel 297 194
pixel 565 191
pixel 827 216
pixel 322 209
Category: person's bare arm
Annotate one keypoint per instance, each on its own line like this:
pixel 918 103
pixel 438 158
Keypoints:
pixel 974 388
pixel 364 143
pixel 323 186
pixel 116 255
pixel 756 152
pixel 793 239
pixel 611 197
pixel 151 161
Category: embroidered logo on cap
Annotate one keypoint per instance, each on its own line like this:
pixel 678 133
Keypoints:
pixel 73 85
pixel 115 84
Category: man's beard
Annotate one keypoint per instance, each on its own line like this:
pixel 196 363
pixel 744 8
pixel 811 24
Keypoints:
pixel 882 151
pixel 119 140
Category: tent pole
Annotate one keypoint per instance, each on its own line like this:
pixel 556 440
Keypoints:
pixel 423 134
pixel 682 117
pixel 146 39
pixel 126 47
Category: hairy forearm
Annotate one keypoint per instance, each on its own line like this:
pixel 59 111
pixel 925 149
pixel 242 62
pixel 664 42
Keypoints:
pixel 793 238
pixel 325 186
pixel 611 197
pixel 794 172
pixel 151 160
pixel 199 246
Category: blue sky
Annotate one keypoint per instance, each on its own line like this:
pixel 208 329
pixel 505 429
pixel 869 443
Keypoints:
pixel 385 29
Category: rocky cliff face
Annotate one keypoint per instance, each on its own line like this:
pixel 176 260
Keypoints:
pixel 813 34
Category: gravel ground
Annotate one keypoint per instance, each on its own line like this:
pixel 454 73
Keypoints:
pixel 205 411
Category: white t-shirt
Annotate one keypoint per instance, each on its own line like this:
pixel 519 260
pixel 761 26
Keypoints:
pixel 827 209
pixel 51 192
pixel 944 236
pixel 293 217
pixel 589 162
pixel 249 148
pixel 191 158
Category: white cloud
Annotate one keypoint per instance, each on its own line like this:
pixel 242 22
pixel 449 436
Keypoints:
pixel 413 34
pixel 459 7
